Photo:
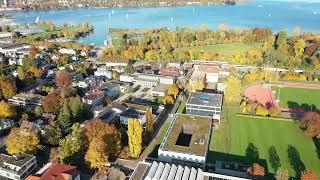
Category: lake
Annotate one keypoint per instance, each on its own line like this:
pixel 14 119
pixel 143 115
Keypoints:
pixel 273 14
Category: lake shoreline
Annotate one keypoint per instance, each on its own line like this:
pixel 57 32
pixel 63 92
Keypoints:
pixel 116 6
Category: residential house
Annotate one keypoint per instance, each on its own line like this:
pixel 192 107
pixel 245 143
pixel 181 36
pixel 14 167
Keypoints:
pixel 57 172
pixel 17 167
pixel 93 98
pixel 26 100
pixel 160 90
pixel 110 89
pixel 88 83
pixel 103 72
pixel 114 63
pixel 6 124
pixel 175 64
pixel 67 51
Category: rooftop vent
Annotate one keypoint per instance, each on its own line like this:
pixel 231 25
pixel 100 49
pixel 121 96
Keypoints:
pixel 201 141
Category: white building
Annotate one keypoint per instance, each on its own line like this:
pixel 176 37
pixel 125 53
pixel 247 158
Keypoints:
pixel 126 78
pixel 170 171
pixel 67 51
pixel 88 83
pixel 110 89
pixel 16 167
pixel 205 104
pixel 186 141
pixel 26 100
pixel 102 71
pixel 93 98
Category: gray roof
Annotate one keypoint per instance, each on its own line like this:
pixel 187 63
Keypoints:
pixel 166 171
pixel 205 99
pixel 19 160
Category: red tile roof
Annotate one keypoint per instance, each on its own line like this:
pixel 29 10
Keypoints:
pixel 57 172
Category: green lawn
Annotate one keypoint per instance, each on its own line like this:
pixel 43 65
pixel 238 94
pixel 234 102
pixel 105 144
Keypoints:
pixel 231 140
pixel 298 98
pixel 226 49
pixel 154 153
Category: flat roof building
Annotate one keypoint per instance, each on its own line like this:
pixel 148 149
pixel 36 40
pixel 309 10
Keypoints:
pixel 205 104
pixel 186 141
pixel 165 171
pixel 26 100
pixel 17 166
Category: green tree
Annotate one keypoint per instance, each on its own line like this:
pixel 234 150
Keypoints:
pixel 70 150
pixel 38 111
pixel 232 92
pixel 76 107
pixel 64 118
pixel 135 137
pixel 149 123
pixel 282 40
pixel 274 158
pixel 53 134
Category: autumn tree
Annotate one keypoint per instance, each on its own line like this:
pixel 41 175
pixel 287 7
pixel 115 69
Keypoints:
pixel 150 121
pixel 168 100
pixel 310 123
pixel 299 48
pixel 63 78
pixel 64 119
pixel 108 133
pixel 135 137
pixel 256 170
pixel 22 141
pixel 8 88
pixel 33 51
pixel 232 90
pixel 96 155
pixel 173 90
pixel 52 103
pixel 261 111
pixel 6 110
pixel 308 175
pixel 282 174
pixel 70 150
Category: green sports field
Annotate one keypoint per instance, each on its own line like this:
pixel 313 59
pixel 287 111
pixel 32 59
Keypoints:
pixel 232 139
pixel 298 98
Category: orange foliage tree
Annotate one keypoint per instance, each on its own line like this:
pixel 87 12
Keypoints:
pixel 308 175
pixel 63 78
pixel 52 103
pixel 256 170
pixel 310 123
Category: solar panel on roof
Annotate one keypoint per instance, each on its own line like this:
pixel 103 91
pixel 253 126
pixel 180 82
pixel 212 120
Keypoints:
pixel 200 174
pixel 186 173
pixel 159 171
pixel 193 174
pixel 165 172
pixel 179 173
pixel 152 170
pixel 172 172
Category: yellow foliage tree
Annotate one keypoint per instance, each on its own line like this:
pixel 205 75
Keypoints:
pixel 149 123
pixel 96 155
pixel 232 92
pixel 135 137
pixel 6 110
pixel 173 90
pixel 262 111
pixel 22 141
pixel 168 100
